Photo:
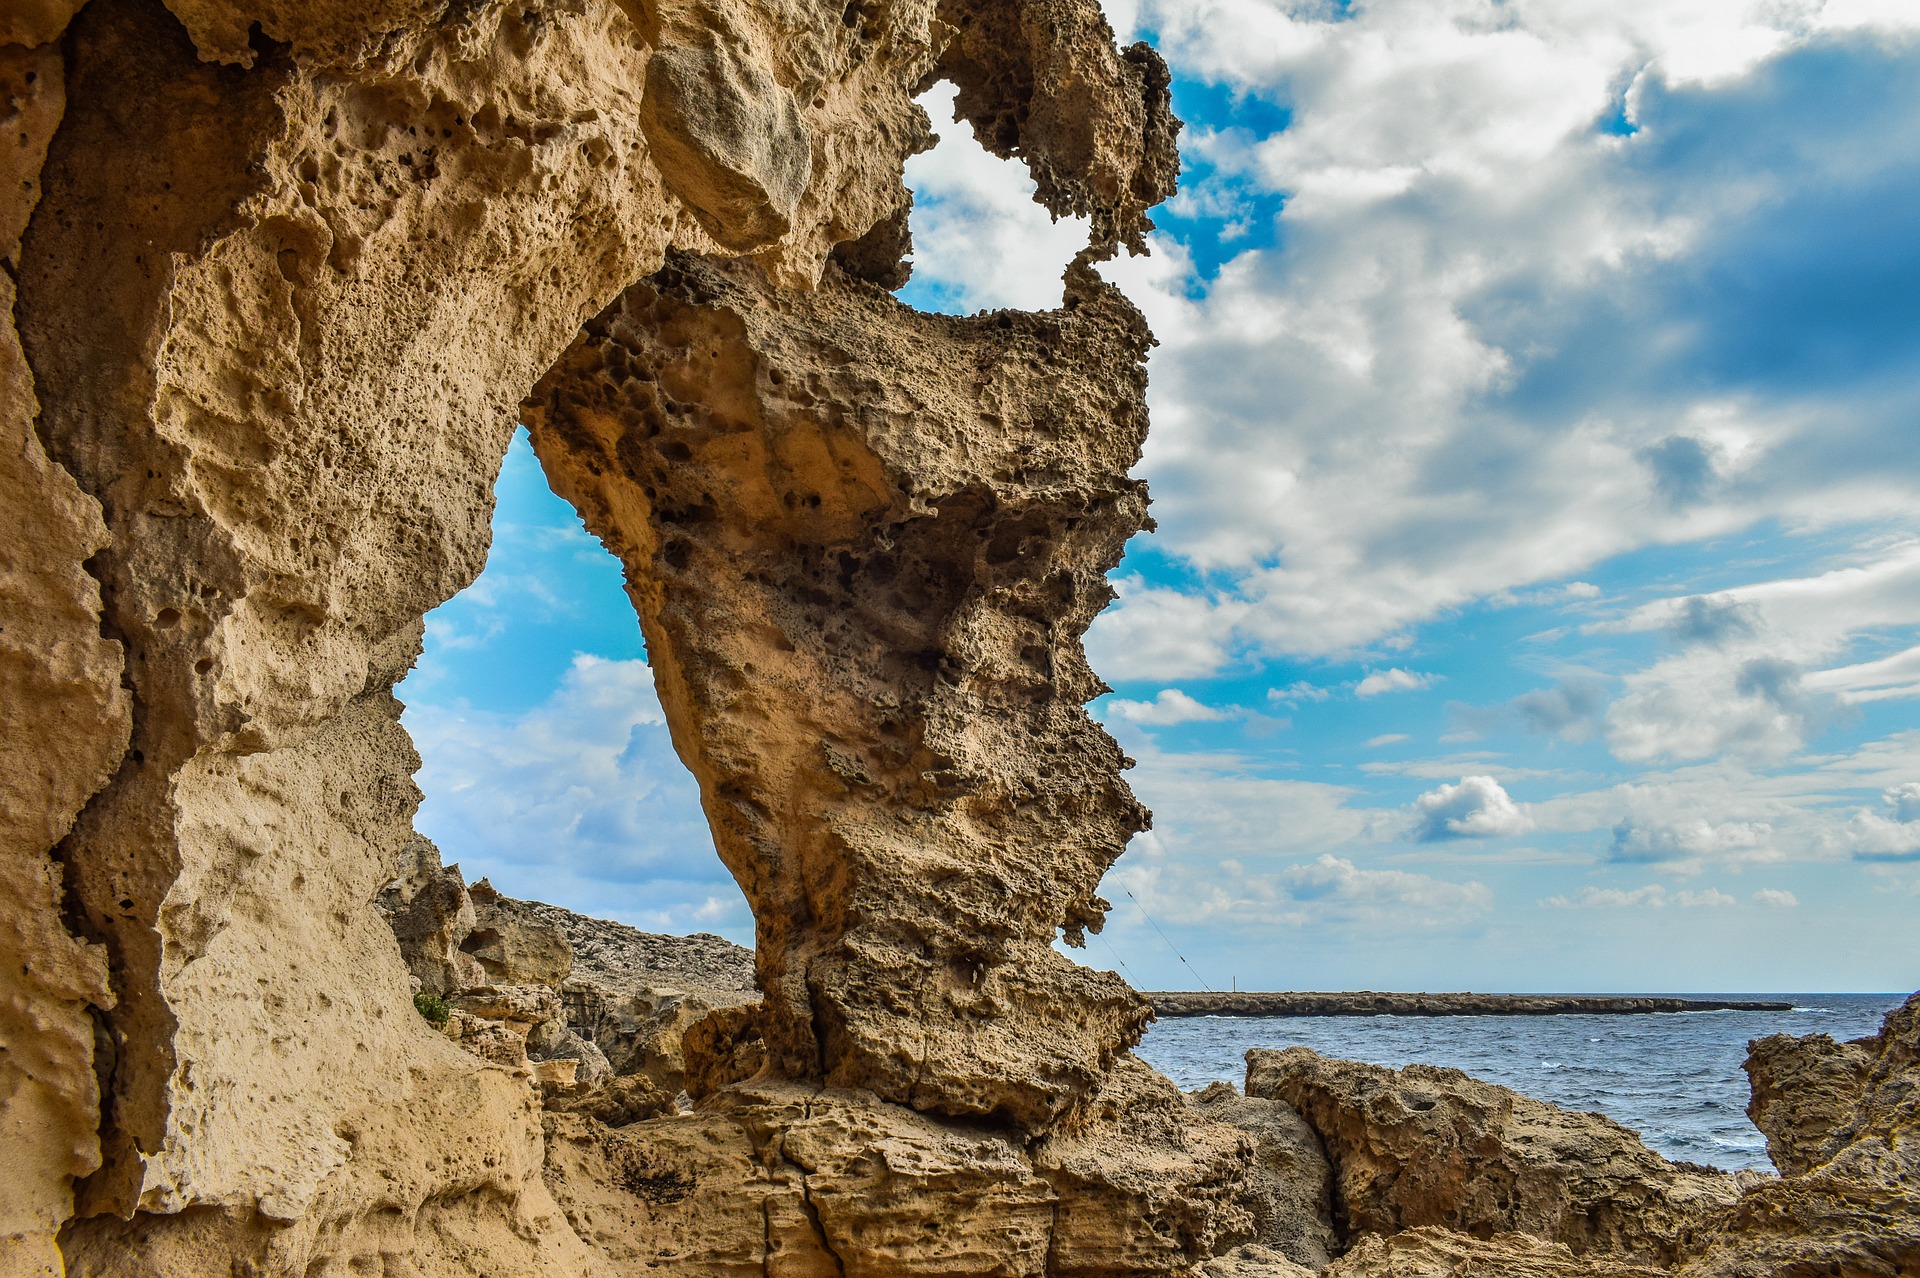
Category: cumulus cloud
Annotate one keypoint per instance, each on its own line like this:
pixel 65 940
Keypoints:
pixel 1476 808
pixel 1778 899
pixel 1335 881
pixel 980 242
pixel 1386 739
pixel 1686 842
pixel 1172 706
pixel 1377 682
pixel 1904 800
pixel 1159 634
pixel 1700 619
pixel 1508 241
pixel 580 799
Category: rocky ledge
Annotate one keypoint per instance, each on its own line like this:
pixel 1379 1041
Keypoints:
pixel 1370 1003
pixel 1427 1173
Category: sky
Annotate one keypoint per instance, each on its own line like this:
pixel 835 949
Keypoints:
pixel 1535 603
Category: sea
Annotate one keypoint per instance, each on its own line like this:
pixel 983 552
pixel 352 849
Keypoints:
pixel 1673 1077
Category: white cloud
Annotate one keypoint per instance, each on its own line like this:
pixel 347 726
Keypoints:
pixel 1776 898
pixel 1685 843
pixel 979 239
pixel 1652 896
pixel 1394 680
pixel 1335 881
pixel 1353 424
pixel 1386 739
pixel 1172 706
pixel 1477 807
pixel 580 801
pixel 1159 634
pixel 1904 800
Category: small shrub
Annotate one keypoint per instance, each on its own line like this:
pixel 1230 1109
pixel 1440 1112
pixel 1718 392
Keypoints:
pixel 433 1007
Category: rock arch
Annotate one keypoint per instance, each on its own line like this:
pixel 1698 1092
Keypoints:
pixel 287 272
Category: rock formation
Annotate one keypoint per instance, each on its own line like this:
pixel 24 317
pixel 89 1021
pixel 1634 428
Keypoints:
pixel 1289 1193
pixel 1848 1198
pixel 1806 1094
pixel 1438 1174
pixel 279 278
pixel 1425 1146
pixel 864 667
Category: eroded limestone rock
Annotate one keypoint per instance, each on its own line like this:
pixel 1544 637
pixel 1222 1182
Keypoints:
pixel 288 270
pixel 1855 1211
pixel 1430 1252
pixel 1806 1095
pixel 1426 1146
pixel 65 718
pixel 1290 1190
pixel 864 543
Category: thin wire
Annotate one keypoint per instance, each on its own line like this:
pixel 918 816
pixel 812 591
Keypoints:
pixel 1116 958
pixel 1170 945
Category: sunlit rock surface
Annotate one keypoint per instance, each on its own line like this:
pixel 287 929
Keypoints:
pixel 279 277
pixel 1426 1146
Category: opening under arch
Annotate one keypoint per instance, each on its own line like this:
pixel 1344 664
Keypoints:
pixel 546 766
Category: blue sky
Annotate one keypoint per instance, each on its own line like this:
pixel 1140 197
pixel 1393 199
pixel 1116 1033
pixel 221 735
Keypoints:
pixel 1536 452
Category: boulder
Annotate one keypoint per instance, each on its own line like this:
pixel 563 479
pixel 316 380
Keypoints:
pixel 1856 1211
pixel 1290 1189
pixel 1807 1094
pixel 1425 1146
pixel 513 945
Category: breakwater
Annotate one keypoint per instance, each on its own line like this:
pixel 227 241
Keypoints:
pixel 1370 1003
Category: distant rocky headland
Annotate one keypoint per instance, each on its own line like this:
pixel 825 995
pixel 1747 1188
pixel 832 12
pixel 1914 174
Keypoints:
pixel 1372 1003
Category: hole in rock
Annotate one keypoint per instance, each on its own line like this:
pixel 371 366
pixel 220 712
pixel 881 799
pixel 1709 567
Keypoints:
pixel 979 240
pixel 546 766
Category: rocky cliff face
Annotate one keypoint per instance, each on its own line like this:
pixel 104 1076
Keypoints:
pixel 865 668
pixel 279 277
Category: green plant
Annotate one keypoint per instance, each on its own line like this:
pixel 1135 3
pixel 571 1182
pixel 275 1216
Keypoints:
pixel 433 1007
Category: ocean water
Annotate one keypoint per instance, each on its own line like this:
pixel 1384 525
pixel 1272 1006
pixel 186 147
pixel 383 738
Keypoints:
pixel 1674 1078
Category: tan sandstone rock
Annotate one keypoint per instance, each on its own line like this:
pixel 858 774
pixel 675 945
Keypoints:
pixel 864 668
pixel 65 716
pixel 289 269
pixel 1430 1252
pixel 1854 1213
pixel 1425 1146
pixel 513 945
pixel 1806 1095
pixel 1290 1191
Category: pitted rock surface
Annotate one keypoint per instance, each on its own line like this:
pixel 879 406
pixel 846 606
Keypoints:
pixel 622 958
pixel 279 276
pixel 1851 1203
pixel 874 667
pixel 1426 1146
pixel 1290 1191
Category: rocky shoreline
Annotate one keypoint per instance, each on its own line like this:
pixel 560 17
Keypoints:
pixel 1319 1166
pixel 1371 1003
